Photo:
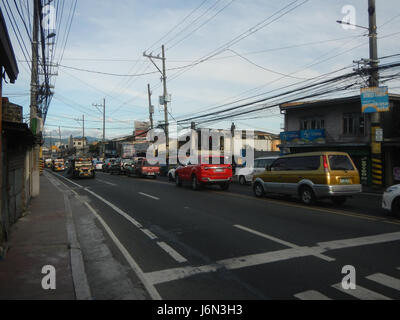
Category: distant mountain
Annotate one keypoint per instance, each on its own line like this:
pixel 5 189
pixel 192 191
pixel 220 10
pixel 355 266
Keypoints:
pixel 54 140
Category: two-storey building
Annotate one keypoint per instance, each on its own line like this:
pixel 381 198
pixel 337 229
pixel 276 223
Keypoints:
pixel 339 125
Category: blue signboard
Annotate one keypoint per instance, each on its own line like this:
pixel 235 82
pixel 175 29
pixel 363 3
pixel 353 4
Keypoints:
pixel 375 99
pixel 290 136
pixel 312 136
pixel 303 136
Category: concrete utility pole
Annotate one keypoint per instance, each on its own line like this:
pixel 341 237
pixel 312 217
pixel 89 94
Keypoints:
pixel 376 152
pixel 104 126
pixel 151 108
pixel 34 163
pixel 83 132
pixel 165 95
pixel 59 134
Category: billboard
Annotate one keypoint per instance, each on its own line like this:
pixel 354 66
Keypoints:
pixel 303 136
pixel 312 136
pixel 374 99
pixel 290 136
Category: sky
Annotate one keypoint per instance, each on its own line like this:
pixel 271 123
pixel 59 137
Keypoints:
pixel 111 37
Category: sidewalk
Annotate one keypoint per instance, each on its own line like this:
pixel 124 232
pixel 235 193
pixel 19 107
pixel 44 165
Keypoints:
pixel 38 239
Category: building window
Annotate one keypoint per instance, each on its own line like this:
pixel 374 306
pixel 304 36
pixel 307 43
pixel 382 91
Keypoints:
pixel 353 124
pixel 312 123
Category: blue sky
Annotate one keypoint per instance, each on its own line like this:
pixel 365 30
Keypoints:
pixel 110 36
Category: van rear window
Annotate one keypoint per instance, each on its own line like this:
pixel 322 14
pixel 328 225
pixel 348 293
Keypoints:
pixel 340 162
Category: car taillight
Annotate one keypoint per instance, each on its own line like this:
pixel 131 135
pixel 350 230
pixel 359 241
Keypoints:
pixel 325 160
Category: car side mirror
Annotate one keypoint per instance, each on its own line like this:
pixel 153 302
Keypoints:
pixel 268 167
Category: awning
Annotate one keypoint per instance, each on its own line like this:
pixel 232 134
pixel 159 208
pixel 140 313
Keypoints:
pixel 7 56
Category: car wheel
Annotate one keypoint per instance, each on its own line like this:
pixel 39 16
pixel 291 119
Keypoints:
pixel 396 207
pixel 338 200
pixel 307 195
pixel 258 190
pixel 195 183
pixel 178 181
pixel 242 180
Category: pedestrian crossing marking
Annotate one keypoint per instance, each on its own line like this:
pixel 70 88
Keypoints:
pixel 385 280
pixel 361 293
pixel 311 295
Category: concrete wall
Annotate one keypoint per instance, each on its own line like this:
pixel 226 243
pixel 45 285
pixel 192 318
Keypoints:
pixel 15 187
pixel 333 118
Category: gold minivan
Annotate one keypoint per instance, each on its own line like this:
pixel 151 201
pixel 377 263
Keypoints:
pixel 312 175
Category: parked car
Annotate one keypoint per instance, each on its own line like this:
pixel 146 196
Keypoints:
pixel 120 166
pixel 98 165
pixel 245 174
pixel 205 173
pixel 107 164
pixel 313 175
pixel 142 168
pixel 391 199
pixel 171 173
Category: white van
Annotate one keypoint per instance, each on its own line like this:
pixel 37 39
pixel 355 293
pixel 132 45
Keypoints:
pixel 245 174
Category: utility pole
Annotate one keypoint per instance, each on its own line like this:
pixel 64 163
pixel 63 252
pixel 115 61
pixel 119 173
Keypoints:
pixel 59 141
pixel 151 108
pixel 59 134
pixel 375 124
pixel 373 46
pixel 83 132
pixel 104 125
pixel 165 99
pixel 34 123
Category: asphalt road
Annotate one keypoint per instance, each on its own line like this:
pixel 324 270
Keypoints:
pixel 213 244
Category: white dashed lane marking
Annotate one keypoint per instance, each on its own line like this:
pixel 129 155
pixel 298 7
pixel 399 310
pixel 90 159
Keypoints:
pixel 149 196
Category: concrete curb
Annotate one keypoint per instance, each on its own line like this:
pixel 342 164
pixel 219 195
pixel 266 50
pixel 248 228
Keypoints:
pixel 81 284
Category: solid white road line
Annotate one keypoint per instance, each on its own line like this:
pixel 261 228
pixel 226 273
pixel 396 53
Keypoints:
pixel 361 241
pixel 122 213
pixel 311 295
pixel 361 293
pixel 173 274
pixel 142 276
pixel 172 252
pixel 149 196
pixel 385 280
pixel 69 180
pixel 283 242
pixel 267 257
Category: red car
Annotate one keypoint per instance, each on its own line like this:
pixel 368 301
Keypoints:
pixel 205 173
pixel 142 168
